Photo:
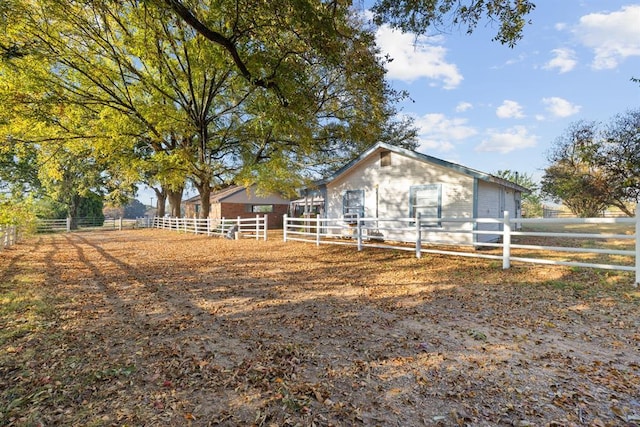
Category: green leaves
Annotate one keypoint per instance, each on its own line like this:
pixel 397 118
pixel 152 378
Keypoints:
pixel 212 92
pixel 594 167
pixel 440 15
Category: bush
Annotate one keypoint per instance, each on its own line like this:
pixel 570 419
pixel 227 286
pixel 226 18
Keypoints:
pixel 19 212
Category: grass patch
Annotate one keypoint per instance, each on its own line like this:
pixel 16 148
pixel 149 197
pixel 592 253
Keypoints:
pixel 564 285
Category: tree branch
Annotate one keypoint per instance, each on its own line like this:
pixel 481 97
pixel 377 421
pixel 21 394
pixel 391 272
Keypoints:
pixel 226 43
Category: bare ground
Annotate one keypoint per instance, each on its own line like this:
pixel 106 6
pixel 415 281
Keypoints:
pixel 157 328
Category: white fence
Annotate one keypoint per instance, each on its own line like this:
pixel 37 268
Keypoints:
pixel 69 224
pixel 224 227
pixel 417 232
pixel 8 236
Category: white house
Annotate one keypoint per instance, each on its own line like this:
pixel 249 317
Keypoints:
pixel 391 182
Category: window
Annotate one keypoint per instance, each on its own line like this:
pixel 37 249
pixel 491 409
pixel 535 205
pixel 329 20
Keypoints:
pixel 353 204
pixel 261 208
pixel 385 158
pixel 426 200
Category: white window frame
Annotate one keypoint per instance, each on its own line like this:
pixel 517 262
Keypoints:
pixel 427 208
pixel 352 205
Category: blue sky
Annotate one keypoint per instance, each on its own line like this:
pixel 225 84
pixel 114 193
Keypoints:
pixel 490 107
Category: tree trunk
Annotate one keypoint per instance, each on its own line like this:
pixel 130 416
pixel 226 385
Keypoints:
pixel 205 198
pixel 624 208
pixel 175 201
pixel 204 189
pixel 161 195
pixel 72 211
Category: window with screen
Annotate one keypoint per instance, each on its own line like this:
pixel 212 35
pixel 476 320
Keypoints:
pixel 426 200
pixel 353 205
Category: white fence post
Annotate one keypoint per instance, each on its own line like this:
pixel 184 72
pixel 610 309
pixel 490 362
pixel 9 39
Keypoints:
pixel 257 227
pixel 359 231
pixel 506 241
pixel 237 236
pixel 120 224
pixel 285 219
pixel 635 285
pixel 68 224
pixel 266 226
pixel 317 229
pixel 418 236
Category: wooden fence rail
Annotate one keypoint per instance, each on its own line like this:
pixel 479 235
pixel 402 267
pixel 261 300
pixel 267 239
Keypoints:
pixel 418 236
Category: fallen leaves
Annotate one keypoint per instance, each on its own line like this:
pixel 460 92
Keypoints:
pixel 141 328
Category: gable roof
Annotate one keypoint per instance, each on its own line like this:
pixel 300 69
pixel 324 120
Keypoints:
pixel 218 196
pixel 381 146
pixel 221 195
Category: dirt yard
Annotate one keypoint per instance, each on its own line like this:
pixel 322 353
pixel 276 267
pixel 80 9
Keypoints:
pixel 159 328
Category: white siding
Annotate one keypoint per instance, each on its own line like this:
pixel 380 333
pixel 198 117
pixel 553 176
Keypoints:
pixel 393 185
pixel 493 201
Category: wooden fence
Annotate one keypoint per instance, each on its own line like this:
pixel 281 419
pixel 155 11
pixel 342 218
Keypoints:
pixel 223 227
pixel 368 232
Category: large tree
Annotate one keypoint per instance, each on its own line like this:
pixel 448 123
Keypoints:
pixel 619 156
pixel 574 177
pixel 596 165
pixel 294 89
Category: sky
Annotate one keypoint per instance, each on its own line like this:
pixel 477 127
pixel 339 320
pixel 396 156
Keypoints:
pixel 490 107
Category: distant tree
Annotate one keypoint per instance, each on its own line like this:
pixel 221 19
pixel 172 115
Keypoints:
pixel 574 177
pixel 134 209
pixel 531 201
pixel 619 157
pixel 48 208
pixel 90 206
pixel 597 162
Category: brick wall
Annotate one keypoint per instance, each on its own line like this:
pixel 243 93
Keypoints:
pixel 234 210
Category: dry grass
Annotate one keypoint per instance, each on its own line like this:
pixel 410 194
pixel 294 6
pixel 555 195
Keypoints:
pixel 159 328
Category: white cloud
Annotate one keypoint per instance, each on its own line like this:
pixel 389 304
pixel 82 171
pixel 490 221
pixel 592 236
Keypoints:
pixel 509 110
pixel 564 60
pixel 415 58
pixel 436 132
pixel 515 138
pixel 613 36
pixel 560 107
pixel 463 106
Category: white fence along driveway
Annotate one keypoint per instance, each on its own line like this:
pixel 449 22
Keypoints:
pixel 370 232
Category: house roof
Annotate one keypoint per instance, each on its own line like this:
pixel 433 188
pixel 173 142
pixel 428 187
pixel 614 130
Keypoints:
pixel 221 195
pixel 381 146
pixel 218 196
